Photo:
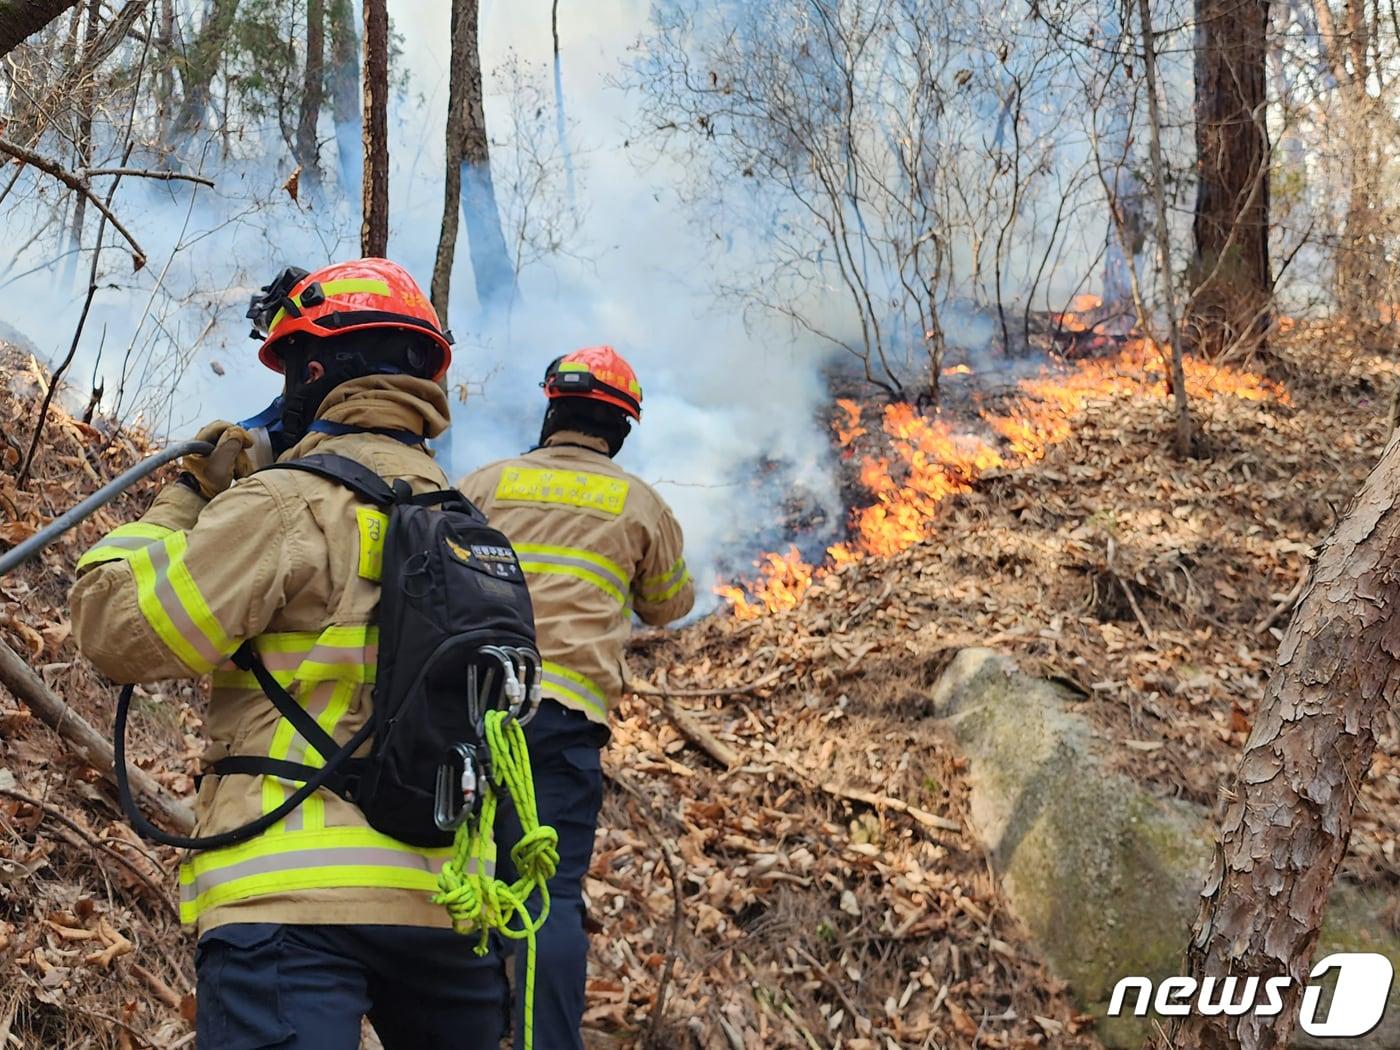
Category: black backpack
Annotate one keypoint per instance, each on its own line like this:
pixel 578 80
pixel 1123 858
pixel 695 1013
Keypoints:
pixel 456 637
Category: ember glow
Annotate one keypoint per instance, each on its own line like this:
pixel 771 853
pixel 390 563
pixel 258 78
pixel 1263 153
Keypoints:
pixel 927 460
pixel 1077 318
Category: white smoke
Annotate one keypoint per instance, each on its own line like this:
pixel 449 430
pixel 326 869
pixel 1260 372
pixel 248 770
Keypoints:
pixel 720 395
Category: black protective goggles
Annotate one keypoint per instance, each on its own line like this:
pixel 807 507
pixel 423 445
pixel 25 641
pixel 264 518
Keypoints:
pixel 274 297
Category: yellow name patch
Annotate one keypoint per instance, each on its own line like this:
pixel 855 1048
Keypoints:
pixel 571 487
pixel 373 525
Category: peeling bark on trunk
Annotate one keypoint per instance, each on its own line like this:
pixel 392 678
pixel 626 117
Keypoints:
pixel 1290 817
pixel 21 19
pixel 491 265
pixel 312 96
pixel 1230 272
pixel 374 229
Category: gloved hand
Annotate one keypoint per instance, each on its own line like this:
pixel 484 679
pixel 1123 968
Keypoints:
pixel 230 459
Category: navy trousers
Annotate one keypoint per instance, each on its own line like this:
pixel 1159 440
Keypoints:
pixel 565 754
pixel 307 987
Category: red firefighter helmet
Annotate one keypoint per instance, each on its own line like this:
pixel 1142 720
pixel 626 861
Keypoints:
pixel 598 373
pixel 344 297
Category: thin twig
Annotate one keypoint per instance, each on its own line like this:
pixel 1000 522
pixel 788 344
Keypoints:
pixel 95 844
pixel 78 184
pixel 57 373
pixel 641 688
pixel 147 173
pixel 869 798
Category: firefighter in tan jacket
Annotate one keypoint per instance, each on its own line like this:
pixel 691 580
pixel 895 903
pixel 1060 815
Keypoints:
pixel 320 920
pixel 597 545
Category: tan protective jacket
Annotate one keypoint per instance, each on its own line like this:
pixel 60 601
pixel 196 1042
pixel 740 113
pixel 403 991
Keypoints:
pixel 281 558
pixel 596 544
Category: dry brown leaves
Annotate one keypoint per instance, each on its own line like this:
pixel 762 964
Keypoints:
pixel 1157 589
pixel 85 941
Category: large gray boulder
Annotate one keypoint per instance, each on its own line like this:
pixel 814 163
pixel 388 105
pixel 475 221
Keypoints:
pixel 1105 875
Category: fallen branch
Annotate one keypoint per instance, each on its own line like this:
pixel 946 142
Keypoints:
pixel 690 727
pixel 162 991
pixel 641 688
pixel 870 798
pixel 96 845
pixel 91 746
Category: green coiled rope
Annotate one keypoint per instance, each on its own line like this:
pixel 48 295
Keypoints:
pixel 478 901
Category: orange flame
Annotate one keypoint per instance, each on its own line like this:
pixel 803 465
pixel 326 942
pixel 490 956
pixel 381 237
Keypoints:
pixel 852 429
pixel 929 460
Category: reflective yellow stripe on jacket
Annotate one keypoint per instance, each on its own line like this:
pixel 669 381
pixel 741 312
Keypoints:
pixel 564 684
pixel 324 670
pixel 170 600
pixel 122 542
pixel 278 862
pixel 664 586
pixel 608 576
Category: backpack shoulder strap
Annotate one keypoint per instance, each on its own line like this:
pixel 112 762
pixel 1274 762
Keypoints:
pixel 355 476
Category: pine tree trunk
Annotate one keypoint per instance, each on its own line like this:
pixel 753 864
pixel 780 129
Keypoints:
pixel 374 229
pixel 491 265
pixel 1230 272
pixel 308 150
pixel 1294 791
pixel 21 19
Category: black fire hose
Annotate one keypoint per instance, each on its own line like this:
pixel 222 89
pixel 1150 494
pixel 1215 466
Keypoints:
pixel 17 556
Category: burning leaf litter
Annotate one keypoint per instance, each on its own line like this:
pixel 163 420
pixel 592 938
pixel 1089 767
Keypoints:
pixel 932 459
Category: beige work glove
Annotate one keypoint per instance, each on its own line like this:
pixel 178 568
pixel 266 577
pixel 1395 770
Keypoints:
pixel 230 459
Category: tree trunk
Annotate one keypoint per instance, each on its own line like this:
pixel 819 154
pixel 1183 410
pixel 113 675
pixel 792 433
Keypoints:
pixel 21 19
pixel 202 65
pixel 462 10
pixel 1293 793
pixel 85 102
pixel 165 77
pixel 1164 243
pixel 308 149
pixel 1127 226
pixel 84 142
pixel 374 228
pixel 1230 272
pixel 491 265
pixel 561 123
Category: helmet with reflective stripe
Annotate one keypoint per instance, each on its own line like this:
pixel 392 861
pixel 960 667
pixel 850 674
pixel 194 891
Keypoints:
pixel 344 297
pixel 598 373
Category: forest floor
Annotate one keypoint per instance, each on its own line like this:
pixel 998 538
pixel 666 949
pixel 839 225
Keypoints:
pixel 830 892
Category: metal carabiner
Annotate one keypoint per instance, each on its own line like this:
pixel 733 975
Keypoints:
pixel 454 805
pixel 534 676
pixel 476 712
